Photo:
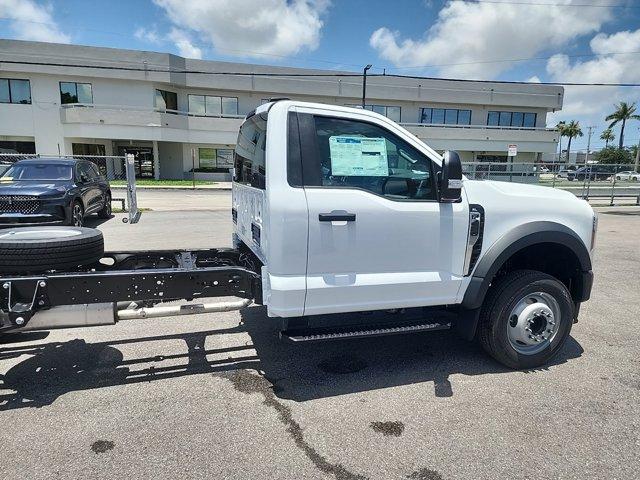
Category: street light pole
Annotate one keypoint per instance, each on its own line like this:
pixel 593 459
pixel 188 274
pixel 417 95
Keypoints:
pixel 364 83
pixel 637 155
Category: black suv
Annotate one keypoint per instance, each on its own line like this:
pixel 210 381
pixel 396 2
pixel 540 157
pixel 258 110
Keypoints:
pixel 53 190
pixel 592 172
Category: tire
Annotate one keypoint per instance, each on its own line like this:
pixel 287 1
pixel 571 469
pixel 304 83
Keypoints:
pixel 522 291
pixel 40 249
pixel 76 219
pixel 105 212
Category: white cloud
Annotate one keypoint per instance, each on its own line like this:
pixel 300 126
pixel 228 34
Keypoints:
pixel 481 32
pixel 590 105
pixel 32 21
pixel 149 35
pixel 251 27
pixel 184 44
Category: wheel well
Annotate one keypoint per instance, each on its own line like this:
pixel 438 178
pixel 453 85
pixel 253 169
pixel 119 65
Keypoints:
pixel 554 259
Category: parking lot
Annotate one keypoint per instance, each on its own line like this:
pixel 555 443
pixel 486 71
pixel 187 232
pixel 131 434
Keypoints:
pixel 220 396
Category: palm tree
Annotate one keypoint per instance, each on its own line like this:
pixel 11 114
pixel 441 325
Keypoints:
pixel 561 126
pixel 571 130
pixel 624 112
pixel 608 136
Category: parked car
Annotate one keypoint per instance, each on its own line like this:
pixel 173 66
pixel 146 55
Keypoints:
pixel 592 172
pixel 628 175
pixel 564 172
pixel 52 190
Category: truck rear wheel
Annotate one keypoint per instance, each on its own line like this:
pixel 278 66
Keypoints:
pixel 526 319
pixel 40 249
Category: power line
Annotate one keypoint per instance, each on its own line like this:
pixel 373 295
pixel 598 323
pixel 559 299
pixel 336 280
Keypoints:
pixel 547 4
pixel 307 75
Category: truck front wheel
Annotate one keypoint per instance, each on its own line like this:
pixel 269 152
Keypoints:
pixel 525 319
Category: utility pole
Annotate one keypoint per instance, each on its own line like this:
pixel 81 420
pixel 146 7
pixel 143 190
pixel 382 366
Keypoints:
pixel 590 128
pixel 364 83
pixel 638 154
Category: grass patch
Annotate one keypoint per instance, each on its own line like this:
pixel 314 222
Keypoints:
pixel 147 182
pixel 119 210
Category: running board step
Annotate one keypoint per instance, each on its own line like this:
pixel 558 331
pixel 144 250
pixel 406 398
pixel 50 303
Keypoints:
pixel 360 331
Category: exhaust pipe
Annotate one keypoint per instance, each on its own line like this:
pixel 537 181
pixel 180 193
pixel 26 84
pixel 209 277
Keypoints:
pixel 96 314
pixel 69 316
pixel 173 310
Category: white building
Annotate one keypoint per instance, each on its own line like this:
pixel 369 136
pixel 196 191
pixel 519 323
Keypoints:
pixel 67 107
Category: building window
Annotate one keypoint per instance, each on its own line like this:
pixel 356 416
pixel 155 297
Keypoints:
pixel 17 147
pixel 212 105
pixel 13 90
pixel 166 100
pixel 73 92
pixel 215 158
pixel 81 149
pixel 445 116
pixel 391 112
pixel 511 119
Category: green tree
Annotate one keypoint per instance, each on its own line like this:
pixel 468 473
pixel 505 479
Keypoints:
pixel 624 112
pixel 613 155
pixel 571 130
pixel 608 136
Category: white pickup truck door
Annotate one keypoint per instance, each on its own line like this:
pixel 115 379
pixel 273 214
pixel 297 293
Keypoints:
pixel 377 239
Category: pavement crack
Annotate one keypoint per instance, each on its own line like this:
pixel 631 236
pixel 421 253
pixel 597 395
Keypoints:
pixel 388 429
pixel 102 446
pixel 246 382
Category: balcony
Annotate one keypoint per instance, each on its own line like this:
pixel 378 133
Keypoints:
pixel 484 137
pixel 115 121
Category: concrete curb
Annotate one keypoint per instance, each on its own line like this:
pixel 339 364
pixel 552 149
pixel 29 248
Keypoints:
pixel 166 187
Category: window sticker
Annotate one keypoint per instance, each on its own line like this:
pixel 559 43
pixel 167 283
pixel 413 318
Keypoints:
pixel 358 156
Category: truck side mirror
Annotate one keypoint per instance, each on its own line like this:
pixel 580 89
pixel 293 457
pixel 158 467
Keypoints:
pixel 450 182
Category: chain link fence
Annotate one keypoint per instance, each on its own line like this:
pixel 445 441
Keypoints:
pixel 113 168
pixel 609 183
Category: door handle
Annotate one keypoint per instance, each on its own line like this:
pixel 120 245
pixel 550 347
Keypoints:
pixel 337 216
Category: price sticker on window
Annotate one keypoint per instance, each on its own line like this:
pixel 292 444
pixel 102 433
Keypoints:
pixel 358 156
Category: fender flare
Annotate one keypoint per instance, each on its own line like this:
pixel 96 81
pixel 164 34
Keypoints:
pixel 515 240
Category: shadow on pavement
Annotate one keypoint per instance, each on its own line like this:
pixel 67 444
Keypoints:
pixel 296 372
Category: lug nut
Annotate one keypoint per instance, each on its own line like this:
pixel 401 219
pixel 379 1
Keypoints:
pixel 42 283
pixel 19 321
pixel 5 285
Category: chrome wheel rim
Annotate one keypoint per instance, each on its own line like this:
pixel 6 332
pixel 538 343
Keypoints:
pixel 77 215
pixel 108 205
pixel 533 323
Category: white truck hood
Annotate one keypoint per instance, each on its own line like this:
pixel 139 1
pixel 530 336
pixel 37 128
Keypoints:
pixel 509 205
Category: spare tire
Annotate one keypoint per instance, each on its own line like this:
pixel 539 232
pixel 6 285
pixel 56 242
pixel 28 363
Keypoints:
pixel 40 249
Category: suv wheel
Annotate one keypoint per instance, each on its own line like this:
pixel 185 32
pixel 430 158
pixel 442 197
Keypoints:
pixel 77 214
pixel 526 319
pixel 105 212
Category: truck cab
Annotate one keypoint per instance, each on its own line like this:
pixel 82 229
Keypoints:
pixel 346 211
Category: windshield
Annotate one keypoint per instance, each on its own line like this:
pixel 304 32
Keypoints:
pixel 38 171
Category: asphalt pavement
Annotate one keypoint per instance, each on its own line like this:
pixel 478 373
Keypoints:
pixel 220 396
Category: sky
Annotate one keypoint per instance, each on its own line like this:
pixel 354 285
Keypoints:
pixel 587 41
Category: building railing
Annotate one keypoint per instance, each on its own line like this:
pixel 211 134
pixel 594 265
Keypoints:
pixel 130 108
pixel 477 127
pixel 191 114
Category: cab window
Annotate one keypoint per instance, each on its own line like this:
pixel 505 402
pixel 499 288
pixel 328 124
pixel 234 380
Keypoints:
pixel 355 154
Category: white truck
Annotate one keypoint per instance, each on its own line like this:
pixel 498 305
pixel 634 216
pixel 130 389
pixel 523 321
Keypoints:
pixel 345 226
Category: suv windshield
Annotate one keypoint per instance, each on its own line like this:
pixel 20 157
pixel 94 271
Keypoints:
pixel 38 171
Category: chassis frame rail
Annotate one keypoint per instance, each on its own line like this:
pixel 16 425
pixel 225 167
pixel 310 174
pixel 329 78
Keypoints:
pixel 150 277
